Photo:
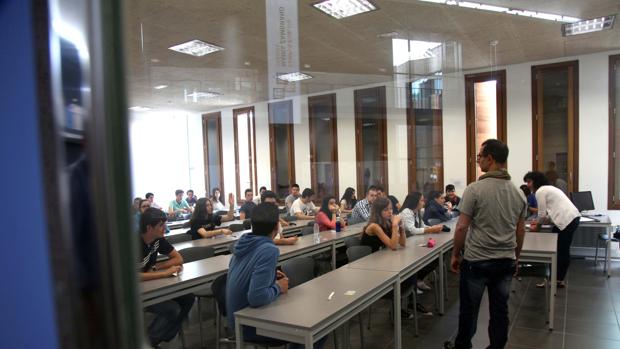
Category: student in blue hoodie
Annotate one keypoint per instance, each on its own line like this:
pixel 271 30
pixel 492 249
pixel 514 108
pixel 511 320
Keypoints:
pixel 253 280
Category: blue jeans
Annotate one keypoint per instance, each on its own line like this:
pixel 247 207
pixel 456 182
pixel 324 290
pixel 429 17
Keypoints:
pixel 495 275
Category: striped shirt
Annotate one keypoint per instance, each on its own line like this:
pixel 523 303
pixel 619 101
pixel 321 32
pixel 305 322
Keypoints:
pixel 150 251
pixel 361 211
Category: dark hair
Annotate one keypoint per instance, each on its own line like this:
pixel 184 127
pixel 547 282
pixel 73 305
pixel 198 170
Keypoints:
pixel 375 213
pixel 307 193
pixel 267 194
pixel 372 187
pixel 140 204
pixel 525 190
pixel 379 188
pixel 434 194
pixel 190 191
pixel 200 211
pixel 450 187
pixel 245 192
pixel 348 196
pixel 295 185
pixel 497 150
pixel 411 201
pixel 148 195
pixel 151 217
pixel 261 188
pixel 178 191
pixel 538 179
pixel 213 194
pixel 265 217
pixel 325 205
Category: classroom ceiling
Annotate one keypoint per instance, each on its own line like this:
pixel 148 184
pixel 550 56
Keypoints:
pixel 338 53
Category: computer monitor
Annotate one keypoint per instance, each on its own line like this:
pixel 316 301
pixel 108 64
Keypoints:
pixel 583 200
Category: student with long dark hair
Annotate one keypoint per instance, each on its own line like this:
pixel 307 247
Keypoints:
pixel 204 221
pixel 348 201
pixel 383 228
pixel 326 217
pixel 410 215
pixel 217 200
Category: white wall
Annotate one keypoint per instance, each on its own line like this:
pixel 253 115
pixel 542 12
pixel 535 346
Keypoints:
pixel 170 131
pixel 166 154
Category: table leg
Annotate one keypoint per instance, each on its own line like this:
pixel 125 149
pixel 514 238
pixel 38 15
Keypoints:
pixel 397 326
pixel 610 233
pixel 333 256
pixel 554 285
pixel 238 335
pixel 309 341
pixel 441 284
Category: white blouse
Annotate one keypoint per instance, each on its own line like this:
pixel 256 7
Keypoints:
pixel 409 217
pixel 554 203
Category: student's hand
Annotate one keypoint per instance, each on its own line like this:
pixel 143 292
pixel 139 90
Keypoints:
pixel 283 283
pixel 226 231
pixel 455 264
pixel 436 228
pixel 534 226
pixel 284 224
pixel 173 269
pixel 280 275
pixel 292 240
pixel 516 268
pixel 231 200
pixel 395 220
pixel 449 205
pixel 334 208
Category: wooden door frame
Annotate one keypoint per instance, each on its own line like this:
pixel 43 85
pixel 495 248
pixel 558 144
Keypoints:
pixel 251 146
pixel 573 113
pixel 272 150
pixel 411 144
pixel 380 91
pixel 329 99
pixel 217 116
pixel 470 114
pixel 612 202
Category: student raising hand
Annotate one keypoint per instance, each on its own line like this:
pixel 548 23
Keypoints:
pixel 231 200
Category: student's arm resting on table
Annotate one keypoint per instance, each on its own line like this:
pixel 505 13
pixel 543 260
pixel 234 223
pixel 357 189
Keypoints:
pixel 153 275
pixel 174 258
pixel 286 241
pixel 211 233
pixel 283 222
pixel 263 289
pixel 391 243
pixel 462 226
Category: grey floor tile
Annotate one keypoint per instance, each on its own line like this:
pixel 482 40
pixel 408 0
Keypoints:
pixel 535 338
pixel 581 342
pixel 593 329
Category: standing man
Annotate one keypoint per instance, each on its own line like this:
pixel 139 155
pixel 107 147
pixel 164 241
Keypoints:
pixel 294 194
pixel 491 228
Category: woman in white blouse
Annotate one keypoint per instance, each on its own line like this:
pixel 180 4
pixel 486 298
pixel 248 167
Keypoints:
pixel 411 216
pixel 554 205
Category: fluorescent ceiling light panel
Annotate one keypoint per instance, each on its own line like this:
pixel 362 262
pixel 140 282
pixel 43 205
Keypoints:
pixel 344 8
pixel 160 87
pixel 292 77
pixel 196 95
pixel 412 50
pixel 589 26
pixel 510 11
pixel 196 48
pixel 139 108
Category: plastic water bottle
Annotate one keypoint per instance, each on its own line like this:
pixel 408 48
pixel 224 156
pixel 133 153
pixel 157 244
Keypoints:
pixel 317 237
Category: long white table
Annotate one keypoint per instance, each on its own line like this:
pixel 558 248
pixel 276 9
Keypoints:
pixel 306 314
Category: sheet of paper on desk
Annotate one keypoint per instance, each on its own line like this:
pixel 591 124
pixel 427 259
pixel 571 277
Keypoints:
pixel 586 219
pixel 349 293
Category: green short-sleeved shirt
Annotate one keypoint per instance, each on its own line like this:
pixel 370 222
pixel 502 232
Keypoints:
pixel 178 205
pixel 495 207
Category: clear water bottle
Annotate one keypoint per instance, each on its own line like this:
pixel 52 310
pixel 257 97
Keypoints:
pixel 317 236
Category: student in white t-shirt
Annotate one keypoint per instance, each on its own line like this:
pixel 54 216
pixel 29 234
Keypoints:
pixel 303 207
pixel 554 205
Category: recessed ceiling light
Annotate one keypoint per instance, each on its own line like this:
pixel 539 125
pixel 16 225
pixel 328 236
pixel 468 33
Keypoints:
pixel 246 63
pixel 383 70
pixel 139 108
pixel 306 66
pixel 344 8
pixel 154 60
pixel 507 10
pixel 202 94
pixel 196 48
pixel 160 87
pixel 588 26
pixel 296 76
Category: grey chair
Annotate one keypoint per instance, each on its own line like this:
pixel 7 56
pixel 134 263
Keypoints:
pixel 352 241
pixel 298 270
pixel 354 253
pixel 307 231
pixel 236 227
pixel 310 224
pixel 177 238
pixel 606 239
pixel 247 224
pixel 192 254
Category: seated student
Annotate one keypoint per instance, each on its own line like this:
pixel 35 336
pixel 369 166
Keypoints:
pixel 410 215
pixel 327 215
pixel 169 315
pixel 203 221
pixel 245 212
pixel 532 205
pixel 191 198
pixel 253 280
pixel 383 228
pixel 435 208
pixel 303 207
pixel 151 198
pixel 294 195
pixel 144 204
pixel 361 211
pixel 257 200
pixel 135 207
pixel 217 200
pixel 270 197
pixel 451 196
pixel 178 206
pixel 395 203
pixel 348 201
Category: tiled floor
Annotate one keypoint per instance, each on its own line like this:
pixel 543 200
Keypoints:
pixel 587 317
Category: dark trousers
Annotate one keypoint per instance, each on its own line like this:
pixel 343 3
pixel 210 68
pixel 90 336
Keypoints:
pixel 249 334
pixel 169 316
pixel 565 239
pixel 495 275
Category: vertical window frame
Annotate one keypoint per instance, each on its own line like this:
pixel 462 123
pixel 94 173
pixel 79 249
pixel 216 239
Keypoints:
pixel 329 99
pixel 217 116
pixel 251 150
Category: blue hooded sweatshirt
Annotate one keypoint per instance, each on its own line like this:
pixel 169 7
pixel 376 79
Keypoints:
pixel 251 277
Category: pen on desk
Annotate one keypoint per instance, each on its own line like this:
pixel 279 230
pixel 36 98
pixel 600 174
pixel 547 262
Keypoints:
pixel 331 295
